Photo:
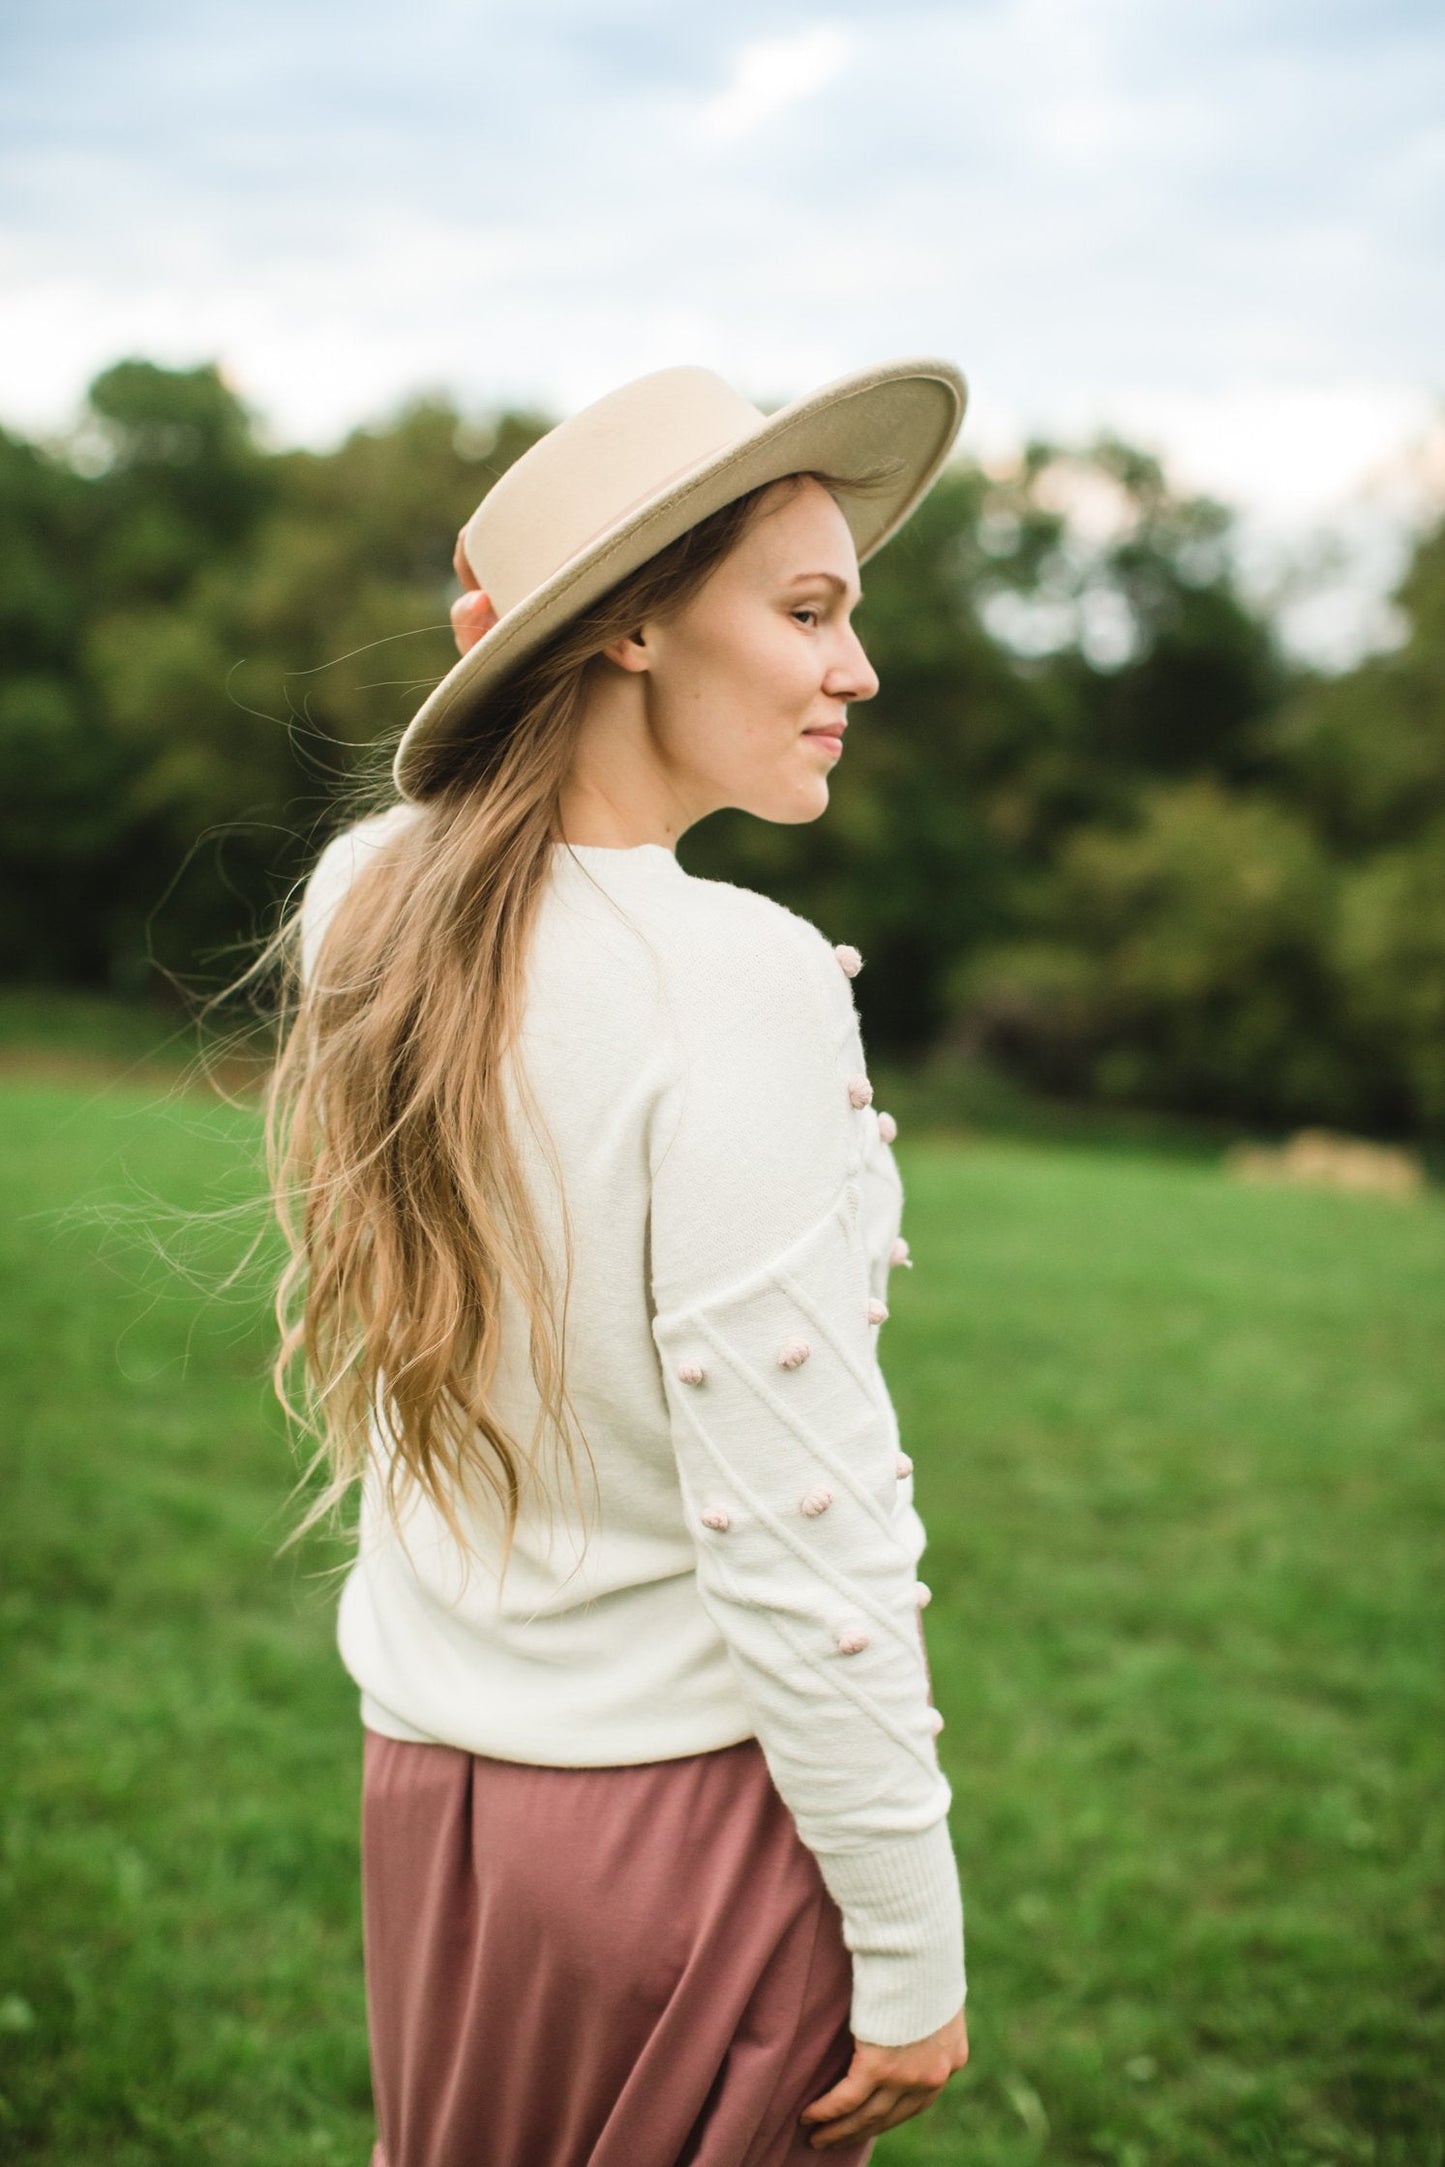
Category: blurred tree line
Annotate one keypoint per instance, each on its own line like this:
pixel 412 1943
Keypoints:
pixel 1095 829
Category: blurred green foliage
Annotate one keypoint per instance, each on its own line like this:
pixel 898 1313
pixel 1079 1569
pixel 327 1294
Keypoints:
pixel 1095 833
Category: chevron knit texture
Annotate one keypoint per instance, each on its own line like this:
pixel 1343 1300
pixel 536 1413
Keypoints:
pixel 751 1565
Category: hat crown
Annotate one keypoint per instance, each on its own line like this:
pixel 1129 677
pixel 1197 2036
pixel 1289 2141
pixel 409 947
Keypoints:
pixel 586 474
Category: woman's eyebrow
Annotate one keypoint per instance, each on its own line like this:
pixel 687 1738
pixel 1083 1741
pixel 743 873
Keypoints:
pixel 831 577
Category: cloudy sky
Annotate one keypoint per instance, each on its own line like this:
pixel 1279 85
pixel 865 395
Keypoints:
pixel 1218 229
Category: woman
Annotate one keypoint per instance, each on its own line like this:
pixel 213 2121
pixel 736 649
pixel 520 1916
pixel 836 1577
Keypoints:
pixel 655 1855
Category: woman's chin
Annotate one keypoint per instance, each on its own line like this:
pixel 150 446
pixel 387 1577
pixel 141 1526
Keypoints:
pixel 801 807
pixel 787 802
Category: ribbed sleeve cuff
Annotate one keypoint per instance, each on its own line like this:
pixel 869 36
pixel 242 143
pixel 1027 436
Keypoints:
pixel 903 1925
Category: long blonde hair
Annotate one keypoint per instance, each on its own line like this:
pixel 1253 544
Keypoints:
pixel 392 1173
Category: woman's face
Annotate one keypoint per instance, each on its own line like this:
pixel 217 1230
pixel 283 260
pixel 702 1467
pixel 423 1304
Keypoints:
pixel 744 690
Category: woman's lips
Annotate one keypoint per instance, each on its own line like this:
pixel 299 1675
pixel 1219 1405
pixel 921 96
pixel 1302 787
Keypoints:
pixel 828 737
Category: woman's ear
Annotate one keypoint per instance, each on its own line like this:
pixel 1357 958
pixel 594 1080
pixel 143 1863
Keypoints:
pixel 631 652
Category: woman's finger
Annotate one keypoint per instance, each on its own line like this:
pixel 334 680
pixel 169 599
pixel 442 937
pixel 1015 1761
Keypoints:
pixel 876 2115
pixel 471 614
pixel 461 564
pixel 863 2121
pixel 852 2088
pixel 910 2104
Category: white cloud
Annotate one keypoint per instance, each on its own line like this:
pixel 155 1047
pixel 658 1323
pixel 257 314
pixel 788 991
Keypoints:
pixel 771 75
pixel 1300 448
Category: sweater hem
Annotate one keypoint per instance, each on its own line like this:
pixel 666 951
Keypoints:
pixel 637 1748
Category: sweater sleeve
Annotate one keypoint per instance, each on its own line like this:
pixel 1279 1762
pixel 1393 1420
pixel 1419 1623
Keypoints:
pixel 767 1310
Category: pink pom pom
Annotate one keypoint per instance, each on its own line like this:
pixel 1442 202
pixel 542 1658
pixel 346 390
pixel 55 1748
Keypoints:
pixel 691 1372
pixel 877 1310
pixel 860 1091
pixel 717 1516
pixel 922 1594
pixel 816 1501
pixel 850 959
pixel 796 1351
pixel 903 1467
pixel 887 1127
pixel 898 1254
pixel 852 1640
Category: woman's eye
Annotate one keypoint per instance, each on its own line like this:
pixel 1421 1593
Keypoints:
pixel 807 611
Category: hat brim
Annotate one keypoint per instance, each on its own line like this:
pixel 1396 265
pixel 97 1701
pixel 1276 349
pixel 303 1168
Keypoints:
pixel 906 412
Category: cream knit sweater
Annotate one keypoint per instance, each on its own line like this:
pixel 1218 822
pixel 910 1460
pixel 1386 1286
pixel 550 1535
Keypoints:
pixel 695 1053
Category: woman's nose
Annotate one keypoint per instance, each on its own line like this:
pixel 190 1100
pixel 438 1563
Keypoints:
pixel 854 677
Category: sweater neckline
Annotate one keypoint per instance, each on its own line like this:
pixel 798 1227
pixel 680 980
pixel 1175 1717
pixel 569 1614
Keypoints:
pixel 642 854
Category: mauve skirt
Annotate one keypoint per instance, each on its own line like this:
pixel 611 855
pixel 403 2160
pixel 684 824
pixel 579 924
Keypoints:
pixel 636 1966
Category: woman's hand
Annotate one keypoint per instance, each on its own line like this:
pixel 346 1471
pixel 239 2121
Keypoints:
pixel 472 612
pixel 886 2085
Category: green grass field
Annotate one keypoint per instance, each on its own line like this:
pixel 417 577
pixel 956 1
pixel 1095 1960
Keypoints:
pixel 1179 1446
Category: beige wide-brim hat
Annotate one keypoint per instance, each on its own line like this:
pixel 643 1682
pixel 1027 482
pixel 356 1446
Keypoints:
pixel 615 482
